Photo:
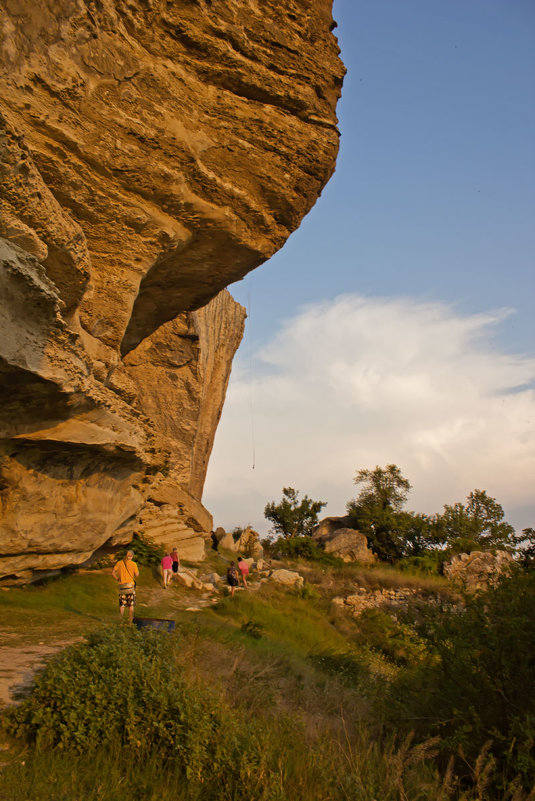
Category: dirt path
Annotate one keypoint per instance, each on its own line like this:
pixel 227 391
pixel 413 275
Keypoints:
pixel 21 656
pixel 18 663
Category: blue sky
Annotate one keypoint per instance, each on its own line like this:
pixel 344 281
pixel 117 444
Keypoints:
pixel 425 230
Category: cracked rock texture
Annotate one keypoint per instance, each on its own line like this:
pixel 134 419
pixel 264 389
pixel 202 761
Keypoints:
pixel 151 153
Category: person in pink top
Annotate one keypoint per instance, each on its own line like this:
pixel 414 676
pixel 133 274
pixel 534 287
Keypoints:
pixel 167 569
pixel 243 567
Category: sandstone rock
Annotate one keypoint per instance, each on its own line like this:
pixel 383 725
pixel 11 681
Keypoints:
pixel 165 524
pixel 189 509
pixel 287 578
pixel 478 569
pixel 326 527
pixel 338 603
pixel 346 543
pixel 249 543
pixel 212 579
pixel 150 154
pixel 227 542
pixel 188 579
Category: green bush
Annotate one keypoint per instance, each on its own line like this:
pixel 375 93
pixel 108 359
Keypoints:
pixel 253 629
pixel 147 552
pixel 346 666
pixel 303 548
pixel 476 689
pixel 430 563
pixel 396 640
pixel 124 687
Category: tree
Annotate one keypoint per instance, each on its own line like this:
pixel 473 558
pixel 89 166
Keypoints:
pixel 526 542
pixel 386 489
pixel 291 518
pixel 377 510
pixel 476 525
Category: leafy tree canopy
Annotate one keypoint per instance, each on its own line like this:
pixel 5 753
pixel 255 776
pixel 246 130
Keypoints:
pixel 393 533
pixel 386 488
pixel 377 512
pixel 291 518
pixel 477 524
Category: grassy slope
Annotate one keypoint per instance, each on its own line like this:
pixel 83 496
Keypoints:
pixel 270 675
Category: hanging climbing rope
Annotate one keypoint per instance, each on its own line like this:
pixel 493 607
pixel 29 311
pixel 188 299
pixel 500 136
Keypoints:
pixel 251 376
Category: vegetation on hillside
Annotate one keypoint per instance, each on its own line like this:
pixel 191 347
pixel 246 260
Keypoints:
pixel 395 535
pixel 275 694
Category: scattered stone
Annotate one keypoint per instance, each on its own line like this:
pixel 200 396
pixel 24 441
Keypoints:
pixel 287 578
pixel 187 578
pixel 376 598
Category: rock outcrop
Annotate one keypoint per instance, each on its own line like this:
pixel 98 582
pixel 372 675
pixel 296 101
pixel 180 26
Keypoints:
pixel 477 570
pixel 334 535
pixel 151 153
pixel 247 543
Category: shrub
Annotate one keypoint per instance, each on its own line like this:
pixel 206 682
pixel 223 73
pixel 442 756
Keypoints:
pixel 303 548
pixel 430 563
pixel 476 691
pixel 125 688
pixel 147 552
pixel 253 629
pixel 385 634
pixel 345 665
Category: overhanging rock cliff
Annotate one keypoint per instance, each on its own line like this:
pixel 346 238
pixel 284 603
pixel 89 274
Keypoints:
pixel 151 153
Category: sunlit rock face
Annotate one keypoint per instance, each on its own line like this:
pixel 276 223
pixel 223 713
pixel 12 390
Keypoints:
pixel 151 153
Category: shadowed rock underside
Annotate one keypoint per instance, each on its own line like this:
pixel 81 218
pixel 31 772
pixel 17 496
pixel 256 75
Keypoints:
pixel 151 153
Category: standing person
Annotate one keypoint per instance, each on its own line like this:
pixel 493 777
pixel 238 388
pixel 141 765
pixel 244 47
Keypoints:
pixel 243 567
pixel 215 541
pixel 125 573
pixel 232 578
pixel 167 569
pixel 176 562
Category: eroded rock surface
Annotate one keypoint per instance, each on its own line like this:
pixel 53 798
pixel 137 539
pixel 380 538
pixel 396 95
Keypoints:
pixel 150 154
pixel 477 570
pixel 334 535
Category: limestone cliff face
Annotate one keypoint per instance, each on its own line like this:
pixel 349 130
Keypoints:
pixel 151 153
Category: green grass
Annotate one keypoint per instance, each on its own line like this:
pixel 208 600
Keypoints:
pixel 308 683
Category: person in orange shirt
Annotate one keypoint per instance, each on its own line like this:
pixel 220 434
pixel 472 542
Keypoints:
pixel 125 573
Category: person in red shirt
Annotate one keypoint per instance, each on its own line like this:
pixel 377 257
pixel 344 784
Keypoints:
pixel 167 569
pixel 243 567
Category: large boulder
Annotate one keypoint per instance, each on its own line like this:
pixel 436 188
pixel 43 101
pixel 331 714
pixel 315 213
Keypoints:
pixel 249 544
pixel 477 570
pixel 228 542
pixel 326 527
pixel 288 578
pixel 345 543
pixel 150 155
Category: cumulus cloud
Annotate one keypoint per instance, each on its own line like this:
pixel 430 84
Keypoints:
pixel 355 382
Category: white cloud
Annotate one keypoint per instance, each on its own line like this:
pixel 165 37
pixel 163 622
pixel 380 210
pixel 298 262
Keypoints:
pixel 356 382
